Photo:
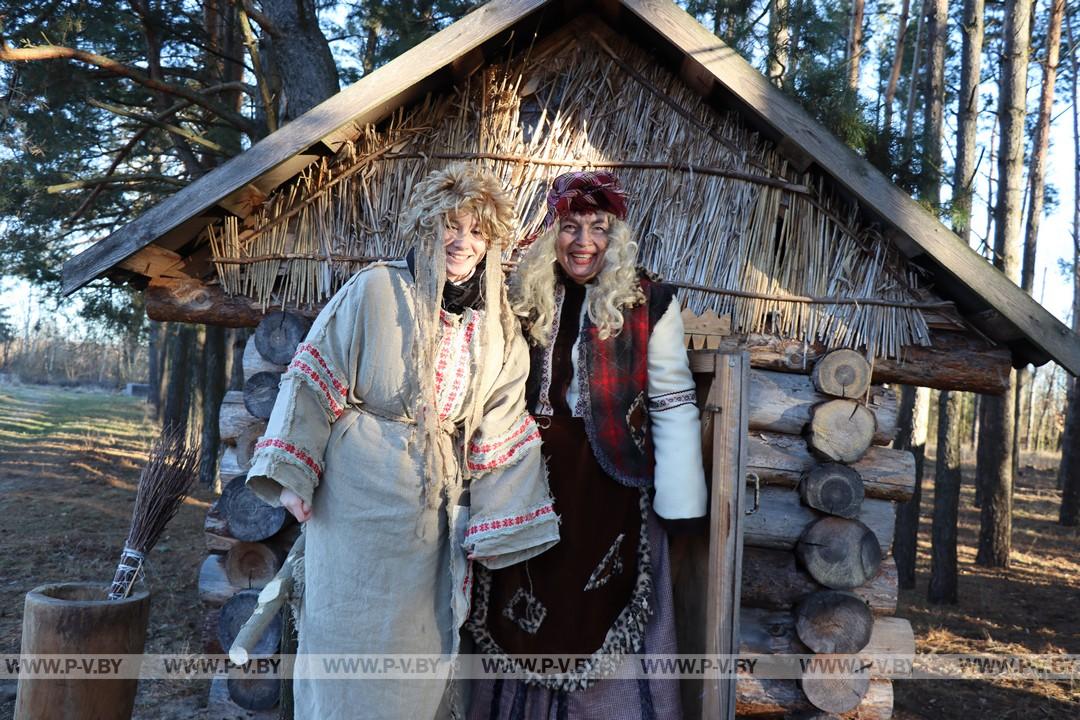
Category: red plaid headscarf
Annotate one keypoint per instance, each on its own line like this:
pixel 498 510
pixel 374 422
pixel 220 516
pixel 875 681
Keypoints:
pixel 582 191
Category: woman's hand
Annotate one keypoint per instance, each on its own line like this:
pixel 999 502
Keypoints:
pixel 295 504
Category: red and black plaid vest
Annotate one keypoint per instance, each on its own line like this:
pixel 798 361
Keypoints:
pixel 613 377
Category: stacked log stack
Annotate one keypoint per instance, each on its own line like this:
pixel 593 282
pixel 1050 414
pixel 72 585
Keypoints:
pixel 247 539
pixel 817 573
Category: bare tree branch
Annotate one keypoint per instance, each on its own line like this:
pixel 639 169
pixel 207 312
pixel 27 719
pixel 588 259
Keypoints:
pixel 57 52
pixel 151 120
pixel 114 180
pixel 264 88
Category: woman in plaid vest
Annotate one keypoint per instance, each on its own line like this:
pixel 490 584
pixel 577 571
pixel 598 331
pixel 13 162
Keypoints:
pixel 611 389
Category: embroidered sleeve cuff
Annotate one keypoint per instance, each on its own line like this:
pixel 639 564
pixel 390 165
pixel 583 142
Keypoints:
pixel 493 452
pixel 277 464
pixel 670 400
pixel 311 367
pixel 503 541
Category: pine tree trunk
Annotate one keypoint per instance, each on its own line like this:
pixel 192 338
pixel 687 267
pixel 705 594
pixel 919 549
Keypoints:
pixel 302 56
pixel 1069 475
pixel 153 373
pixel 897 63
pixel 914 416
pixel 855 45
pixel 1041 145
pixel 176 377
pixel 779 41
pixel 237 342
pixel 213 391
pixel 995 532
pixel 943 583
pixel 1037 194
pixel 913 81
pixel 934 107
pixel 195 379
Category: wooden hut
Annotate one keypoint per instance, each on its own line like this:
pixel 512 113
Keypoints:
pixel 788 247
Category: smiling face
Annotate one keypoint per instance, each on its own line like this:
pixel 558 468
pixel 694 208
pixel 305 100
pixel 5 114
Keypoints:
pixel 465 245
pixel 581 243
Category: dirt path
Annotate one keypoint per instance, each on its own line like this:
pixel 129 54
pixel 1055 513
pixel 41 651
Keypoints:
pixel 69 464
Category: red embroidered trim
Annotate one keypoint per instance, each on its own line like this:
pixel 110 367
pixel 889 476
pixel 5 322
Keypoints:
pixel 510 522
pixel 314 351
pixel 504 458
pixel 335 408
pixel 461 359
pixel 524 425
pixel 292 450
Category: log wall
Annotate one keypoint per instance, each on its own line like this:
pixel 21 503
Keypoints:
pixel 788 585
pixel 246 541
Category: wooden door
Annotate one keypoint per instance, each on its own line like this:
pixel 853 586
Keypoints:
pixel 706 571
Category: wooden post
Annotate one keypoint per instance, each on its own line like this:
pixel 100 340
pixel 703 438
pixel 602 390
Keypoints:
pixel 728 401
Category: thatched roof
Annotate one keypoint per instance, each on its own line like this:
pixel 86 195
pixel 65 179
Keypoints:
pixel 833 206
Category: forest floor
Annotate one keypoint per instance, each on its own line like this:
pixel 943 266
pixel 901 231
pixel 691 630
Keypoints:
pixel 1029 609
pixel 70 461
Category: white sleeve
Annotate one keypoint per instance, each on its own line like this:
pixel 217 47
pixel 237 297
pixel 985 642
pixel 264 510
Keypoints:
pixel 679 476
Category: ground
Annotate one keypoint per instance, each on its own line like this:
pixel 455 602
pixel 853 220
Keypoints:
pixel 69 461
pixel 69 464
pixel 1031 608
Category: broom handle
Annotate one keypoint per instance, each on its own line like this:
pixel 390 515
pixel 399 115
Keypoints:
pixel 271 598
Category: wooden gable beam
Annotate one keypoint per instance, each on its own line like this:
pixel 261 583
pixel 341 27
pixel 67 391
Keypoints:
pixel 798 130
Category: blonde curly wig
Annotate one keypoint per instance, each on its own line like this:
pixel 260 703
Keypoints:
pixel 532 287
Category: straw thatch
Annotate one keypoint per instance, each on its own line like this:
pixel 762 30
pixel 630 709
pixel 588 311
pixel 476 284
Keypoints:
pixel 717 210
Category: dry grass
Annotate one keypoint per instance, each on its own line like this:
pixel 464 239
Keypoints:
pixel 69 462
pixel 1031 608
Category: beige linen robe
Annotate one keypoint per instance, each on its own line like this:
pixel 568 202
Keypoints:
pixel 388 560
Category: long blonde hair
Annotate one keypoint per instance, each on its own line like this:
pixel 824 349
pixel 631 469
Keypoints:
pixel 532 287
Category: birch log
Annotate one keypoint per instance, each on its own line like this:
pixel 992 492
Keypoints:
pixel 260 393
pixel 834 489
pixel 839 553
pixel 254 362
pixel 248 516
pixel 216 530
pixel 234 419
pixel 781 519
pixel 278 334
pixel 841 430
pixel 251 565
pixel 220 705
pixel 762 698
pixel 270 601
pixel 842 373
pixel 782 402
pixel 771 579
pixel 783 459
pixel 770 632
pixel 214 585
pixel 833 622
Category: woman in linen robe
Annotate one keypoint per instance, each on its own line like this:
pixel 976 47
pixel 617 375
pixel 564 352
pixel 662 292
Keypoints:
pixel 405 402
pixel 611 389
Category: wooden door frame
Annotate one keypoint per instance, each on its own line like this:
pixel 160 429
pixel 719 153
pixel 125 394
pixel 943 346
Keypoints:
pixel 707 572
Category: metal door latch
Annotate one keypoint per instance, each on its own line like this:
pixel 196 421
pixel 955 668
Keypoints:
pixel 753 477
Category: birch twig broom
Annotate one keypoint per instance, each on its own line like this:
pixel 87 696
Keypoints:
pixel 164 483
